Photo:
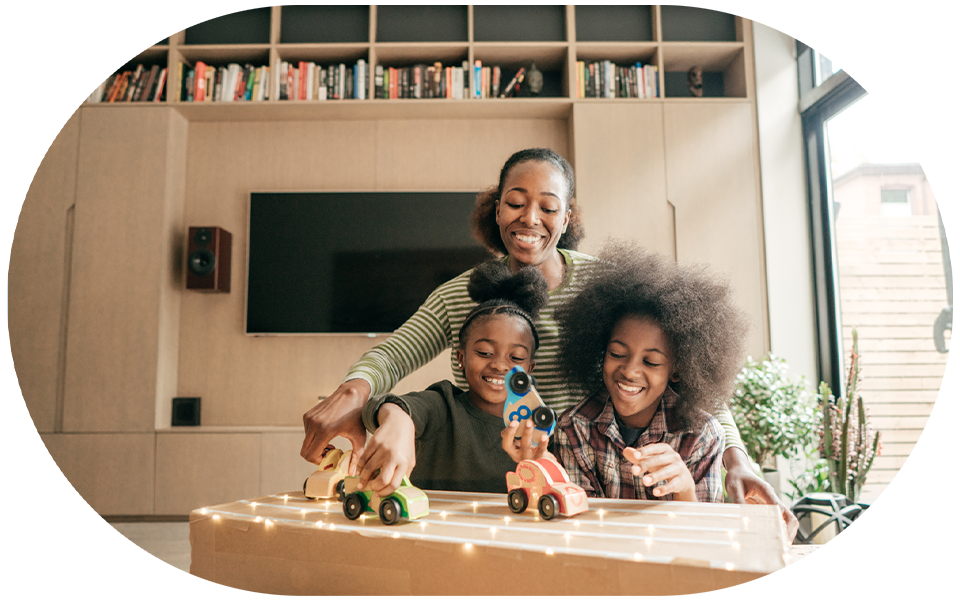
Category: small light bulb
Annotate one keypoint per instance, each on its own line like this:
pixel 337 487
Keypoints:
pixel 257 520
pixel 736 545
pixel 216 517
pixel 253 504
pixel 468 546
pixel 319 523
pixel 396 535
pixel 550 551
pixel 576 523
pixel 443 515
pixel 203 511
pixel 729 566
pixel 636 556
pixel 333 526
pixel 284 497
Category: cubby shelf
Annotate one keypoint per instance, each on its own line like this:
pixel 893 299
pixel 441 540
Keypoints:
pixel 673 39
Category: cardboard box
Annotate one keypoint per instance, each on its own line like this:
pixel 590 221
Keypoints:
pixel 472 544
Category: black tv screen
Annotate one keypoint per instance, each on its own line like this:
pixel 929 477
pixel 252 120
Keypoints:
pixel 352 262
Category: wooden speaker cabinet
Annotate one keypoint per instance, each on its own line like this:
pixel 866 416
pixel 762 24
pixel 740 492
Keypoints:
pixel 208 259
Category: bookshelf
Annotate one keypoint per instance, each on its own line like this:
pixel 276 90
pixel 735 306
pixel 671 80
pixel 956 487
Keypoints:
pixel 671 38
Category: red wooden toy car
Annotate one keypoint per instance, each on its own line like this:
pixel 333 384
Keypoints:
pixel 543 482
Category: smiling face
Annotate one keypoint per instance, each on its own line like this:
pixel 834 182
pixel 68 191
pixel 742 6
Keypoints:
pixel 533 212
pixel 494 345
pixel 637 366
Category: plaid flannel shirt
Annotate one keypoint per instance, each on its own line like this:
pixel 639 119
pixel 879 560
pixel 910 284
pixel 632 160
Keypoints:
pixel 588 443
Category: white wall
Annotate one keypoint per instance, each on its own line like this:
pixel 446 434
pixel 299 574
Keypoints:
pixel 790 288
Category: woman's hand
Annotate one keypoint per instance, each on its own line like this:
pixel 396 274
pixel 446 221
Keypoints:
pixel 340 413
pixel 744 487
pixel 660 462
pixel 391 452
pixel 523 449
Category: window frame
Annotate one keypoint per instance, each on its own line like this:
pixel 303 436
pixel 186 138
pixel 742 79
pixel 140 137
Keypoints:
pixel 817 105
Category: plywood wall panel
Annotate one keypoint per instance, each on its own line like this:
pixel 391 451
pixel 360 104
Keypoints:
pixel 119 256
pixel 620 175
pixel 711 167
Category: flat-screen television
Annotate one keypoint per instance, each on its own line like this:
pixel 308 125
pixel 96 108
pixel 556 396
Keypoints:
pixel 352 262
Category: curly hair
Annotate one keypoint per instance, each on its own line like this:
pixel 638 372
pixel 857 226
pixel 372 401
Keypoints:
pixel 694 308
pixel 483 221
pixel 500 291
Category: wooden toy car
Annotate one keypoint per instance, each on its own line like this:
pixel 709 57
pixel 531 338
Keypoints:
pixel 523 402
pixel 543 482
pixel 407 502
pixel 327 480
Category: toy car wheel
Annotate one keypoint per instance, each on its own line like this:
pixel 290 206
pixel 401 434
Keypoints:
pixel 544 417
pixel 339 490
pixel 352 507
pixel 389 511
pixel 517 500
pixel 548 507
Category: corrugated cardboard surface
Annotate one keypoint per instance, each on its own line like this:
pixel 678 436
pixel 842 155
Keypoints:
pixel 473 544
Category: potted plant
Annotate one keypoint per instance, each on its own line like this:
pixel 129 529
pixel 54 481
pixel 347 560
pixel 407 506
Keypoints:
pixel 774 412
pixel 848 442
pixel 848 446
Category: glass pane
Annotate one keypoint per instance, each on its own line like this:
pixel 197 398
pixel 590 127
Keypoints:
pixel 891 279
pixel 827 41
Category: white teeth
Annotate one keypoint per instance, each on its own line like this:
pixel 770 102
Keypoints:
pixel 628 389
pixel 527 239
pixel 493 381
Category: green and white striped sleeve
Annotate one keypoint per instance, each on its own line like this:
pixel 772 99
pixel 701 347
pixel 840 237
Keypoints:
pixel 425 335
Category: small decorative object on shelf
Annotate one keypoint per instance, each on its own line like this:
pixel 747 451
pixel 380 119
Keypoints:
pixel 523 402
pixel 695 81
pixel 544 482
pixel 534 80
pixel 407 502
pixel 822 515
pixel 327 480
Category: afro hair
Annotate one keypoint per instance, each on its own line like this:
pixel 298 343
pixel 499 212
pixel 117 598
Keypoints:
pixel 501 291
pixel 694 308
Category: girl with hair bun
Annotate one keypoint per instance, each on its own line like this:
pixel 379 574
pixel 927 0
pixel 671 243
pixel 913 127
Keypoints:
pixel 451 438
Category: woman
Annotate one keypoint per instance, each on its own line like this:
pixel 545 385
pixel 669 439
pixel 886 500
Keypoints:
pixel 532 217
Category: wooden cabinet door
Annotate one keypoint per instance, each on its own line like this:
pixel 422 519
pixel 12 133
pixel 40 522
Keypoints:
pixel 712 179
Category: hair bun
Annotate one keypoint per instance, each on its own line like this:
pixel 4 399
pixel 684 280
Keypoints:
pixel 493 280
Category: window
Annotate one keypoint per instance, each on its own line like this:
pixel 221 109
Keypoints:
pixel 895 203
pixel 879 264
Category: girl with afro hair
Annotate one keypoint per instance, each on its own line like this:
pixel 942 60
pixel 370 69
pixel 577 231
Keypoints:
pixel 451 438
pixel 659 347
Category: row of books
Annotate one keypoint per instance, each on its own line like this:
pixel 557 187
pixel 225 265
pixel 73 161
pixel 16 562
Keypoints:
pixel 301 80
pixel 604 79
pixel 143 84
pixel 438 81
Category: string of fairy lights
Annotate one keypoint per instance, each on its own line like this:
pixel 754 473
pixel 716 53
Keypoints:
pixel 648 535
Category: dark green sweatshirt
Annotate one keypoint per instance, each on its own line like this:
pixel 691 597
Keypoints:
pixel 458 445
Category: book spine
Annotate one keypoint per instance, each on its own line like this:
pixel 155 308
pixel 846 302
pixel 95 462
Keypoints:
pixel 477 75
pixel 160 94
pixel 341 81
pixel 378 81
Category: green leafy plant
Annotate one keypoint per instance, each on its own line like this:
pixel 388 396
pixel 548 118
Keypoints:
pixel 847 442
pixel 814 478
pixel 774 412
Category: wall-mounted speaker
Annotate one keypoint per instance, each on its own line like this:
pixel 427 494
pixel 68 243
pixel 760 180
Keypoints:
pixel 208 259
pixel 185 412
